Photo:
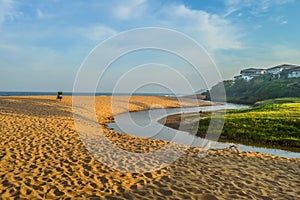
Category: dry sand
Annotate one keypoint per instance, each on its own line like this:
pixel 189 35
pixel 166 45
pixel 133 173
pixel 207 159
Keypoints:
pixel 42 156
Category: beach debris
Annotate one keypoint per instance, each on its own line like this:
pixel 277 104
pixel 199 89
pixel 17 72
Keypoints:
pixel 233 147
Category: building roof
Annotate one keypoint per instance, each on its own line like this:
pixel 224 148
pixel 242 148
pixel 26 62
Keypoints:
pixel 252 70
pixel 271 68
pixel 285 66
pixel 293 69
pixel 238 76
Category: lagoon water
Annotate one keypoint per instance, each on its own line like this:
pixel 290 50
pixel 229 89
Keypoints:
pixel 145 124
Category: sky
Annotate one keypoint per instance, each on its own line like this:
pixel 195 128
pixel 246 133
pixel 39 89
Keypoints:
pixel 44 43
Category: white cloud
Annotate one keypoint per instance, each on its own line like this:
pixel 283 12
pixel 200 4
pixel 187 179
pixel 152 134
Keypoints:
pixel 210 30
pixel 6 10
pixel 280 2
pixel 131 9
pixel 256 7
pixel 229 12
pixel 280 20
pixel 98 32
pixel 39 13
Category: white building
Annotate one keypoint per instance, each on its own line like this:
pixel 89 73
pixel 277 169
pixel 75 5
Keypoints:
pixel 250 73
pixel 293 73
pixel 277 70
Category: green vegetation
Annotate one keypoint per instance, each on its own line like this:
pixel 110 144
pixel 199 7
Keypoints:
pixel 274 119
pixel 258 89
pixel 270 123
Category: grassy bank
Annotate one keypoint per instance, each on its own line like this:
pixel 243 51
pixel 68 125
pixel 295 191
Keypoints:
pixel 269 123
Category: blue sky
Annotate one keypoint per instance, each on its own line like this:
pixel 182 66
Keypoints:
pixel 43 43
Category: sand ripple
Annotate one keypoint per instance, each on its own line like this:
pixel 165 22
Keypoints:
pixel 42 156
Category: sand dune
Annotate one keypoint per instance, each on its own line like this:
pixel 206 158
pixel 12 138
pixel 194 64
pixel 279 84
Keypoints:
pixel 42 156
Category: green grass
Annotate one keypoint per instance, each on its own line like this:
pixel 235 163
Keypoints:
pixel 274 122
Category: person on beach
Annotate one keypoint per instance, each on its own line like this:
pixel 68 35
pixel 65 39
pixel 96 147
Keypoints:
pixel 59 95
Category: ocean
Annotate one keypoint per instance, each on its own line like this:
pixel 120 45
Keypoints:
pixel 5 93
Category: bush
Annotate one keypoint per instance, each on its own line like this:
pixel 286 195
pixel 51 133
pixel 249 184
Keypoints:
pixel 258 89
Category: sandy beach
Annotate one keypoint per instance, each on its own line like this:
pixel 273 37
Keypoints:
pixel 43 157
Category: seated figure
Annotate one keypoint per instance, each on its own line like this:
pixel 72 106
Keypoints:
pixel 59 95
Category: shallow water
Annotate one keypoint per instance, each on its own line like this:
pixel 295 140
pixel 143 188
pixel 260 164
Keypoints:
pixel 145 124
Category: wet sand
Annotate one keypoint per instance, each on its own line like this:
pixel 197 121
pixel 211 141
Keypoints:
pixel 42 156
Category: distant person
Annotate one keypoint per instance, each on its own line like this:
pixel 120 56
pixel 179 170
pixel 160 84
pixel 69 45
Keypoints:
pixel 59 95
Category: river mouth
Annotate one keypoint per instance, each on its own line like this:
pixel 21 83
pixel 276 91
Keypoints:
pixel 146 124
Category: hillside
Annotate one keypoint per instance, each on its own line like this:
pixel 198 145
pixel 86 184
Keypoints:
pixel 257 89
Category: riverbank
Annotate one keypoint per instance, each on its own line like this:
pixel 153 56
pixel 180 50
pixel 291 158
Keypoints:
pixel 42 156
pixel 271 123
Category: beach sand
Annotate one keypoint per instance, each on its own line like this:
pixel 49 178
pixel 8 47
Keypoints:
pixel 42 156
